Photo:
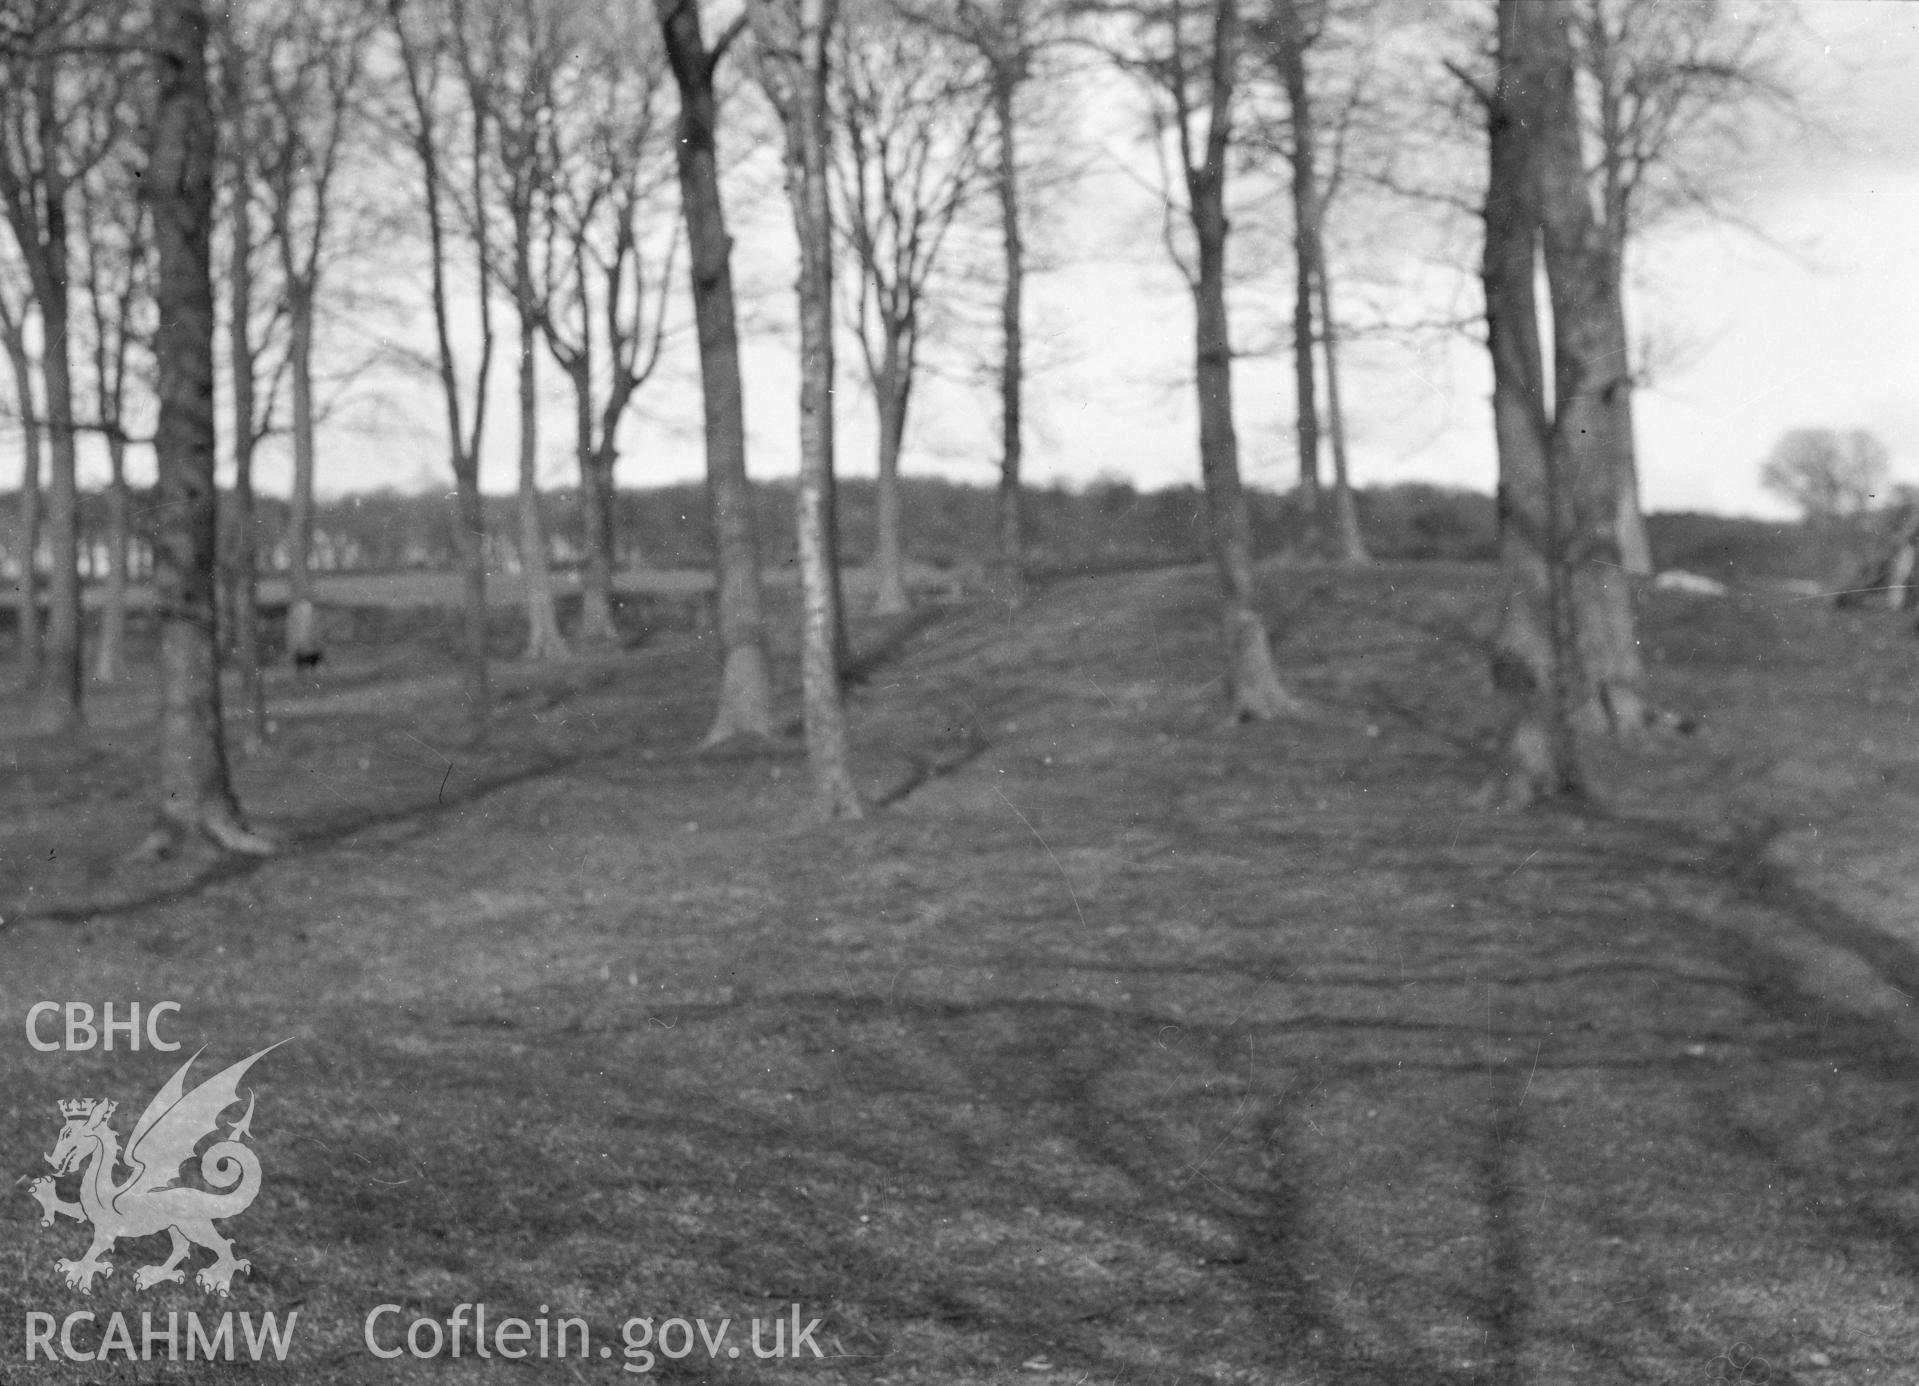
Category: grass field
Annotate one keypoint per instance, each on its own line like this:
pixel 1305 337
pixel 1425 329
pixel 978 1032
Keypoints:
pixel 1119 1045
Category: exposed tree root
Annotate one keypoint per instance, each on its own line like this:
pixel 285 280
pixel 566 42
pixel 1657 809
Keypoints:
pixel 1528 772
pixel 545 644
pixel 745 708
pixel 1258 695
pixel 217 825
pixel 835 798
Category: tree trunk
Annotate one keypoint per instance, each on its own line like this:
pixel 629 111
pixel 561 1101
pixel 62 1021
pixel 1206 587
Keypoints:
pixel 58 708
pixel 463 447
pixel 1010 529
pixel 889 566
pixel 196 794
pixel 745 703
pixel 1635 541
pixel 469 531
pixel 1533 656
pixel 1292 63
pixel 1589 382
pixel 1635 544
pixel 543 639
pixel 29 513
pixel 836 562
pixel 602 557
pixel 807 134
pixel 595 628
pixel 244 570
pixel 1252 680
pixel 243 565
pixel 303 634
pixel 1349 541
pixel 110 665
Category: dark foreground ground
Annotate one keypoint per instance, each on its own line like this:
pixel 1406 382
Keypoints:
pixel 1122 1045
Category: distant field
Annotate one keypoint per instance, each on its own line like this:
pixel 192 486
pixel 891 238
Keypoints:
pixel 424 588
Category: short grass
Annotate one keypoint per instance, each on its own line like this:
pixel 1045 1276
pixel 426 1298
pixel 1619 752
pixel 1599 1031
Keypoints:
pixel 1123 1045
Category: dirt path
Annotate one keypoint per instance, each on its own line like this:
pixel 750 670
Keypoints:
pixel 1128 1046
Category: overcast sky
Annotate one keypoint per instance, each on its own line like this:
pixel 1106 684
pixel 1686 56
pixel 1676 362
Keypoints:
pixel 1816 323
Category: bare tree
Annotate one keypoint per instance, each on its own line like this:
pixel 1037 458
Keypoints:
pixel 1582 280
pixel 427 51
pixel 1009 50
pixel 1832 476
pixel 1291 33
pixel 1569 646
pixel 196 794
pixel 308 71
pixel 911 108
pixel 58 118
pixel 1286 41
pixel 1535 659
pixel 511 74
pixel 604 239
pixel 1010 35
pixel 1675 97
pixel 1349 541
pixel 746 691
pixel 253 386
pixel 792 41
pixel 1187 58
pixel 112 255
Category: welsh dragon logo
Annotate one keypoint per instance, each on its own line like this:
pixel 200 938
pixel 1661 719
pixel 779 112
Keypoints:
pixel 151 1198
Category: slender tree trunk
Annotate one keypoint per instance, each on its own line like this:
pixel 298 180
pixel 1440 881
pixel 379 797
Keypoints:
pixel 836 564
pixel 29 514
pixel 1010 527
pixel 1589 382
pixel 805 117
pixel 469 533
pixel 1292 64
pixel 543 639
pixel 41 231
pixel 58 708
pixel 195 793
pixel 1312 502
pixel 110 666
pixel 606 458
pixel 745 702
pixel 595 628
pixel 596 500
pixel 1635 544
pixel 243 564
pixel 463 448
pixel 244 568
pixel 890 598
pixel 303 633
pixel 1252 679
pixel 1349 541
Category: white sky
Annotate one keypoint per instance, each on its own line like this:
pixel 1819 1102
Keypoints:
pixel 1816 325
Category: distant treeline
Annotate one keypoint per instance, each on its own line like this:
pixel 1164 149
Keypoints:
pixel 947 524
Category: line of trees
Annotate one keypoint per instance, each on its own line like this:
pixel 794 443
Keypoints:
pixel 947 524
pixel 165 173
